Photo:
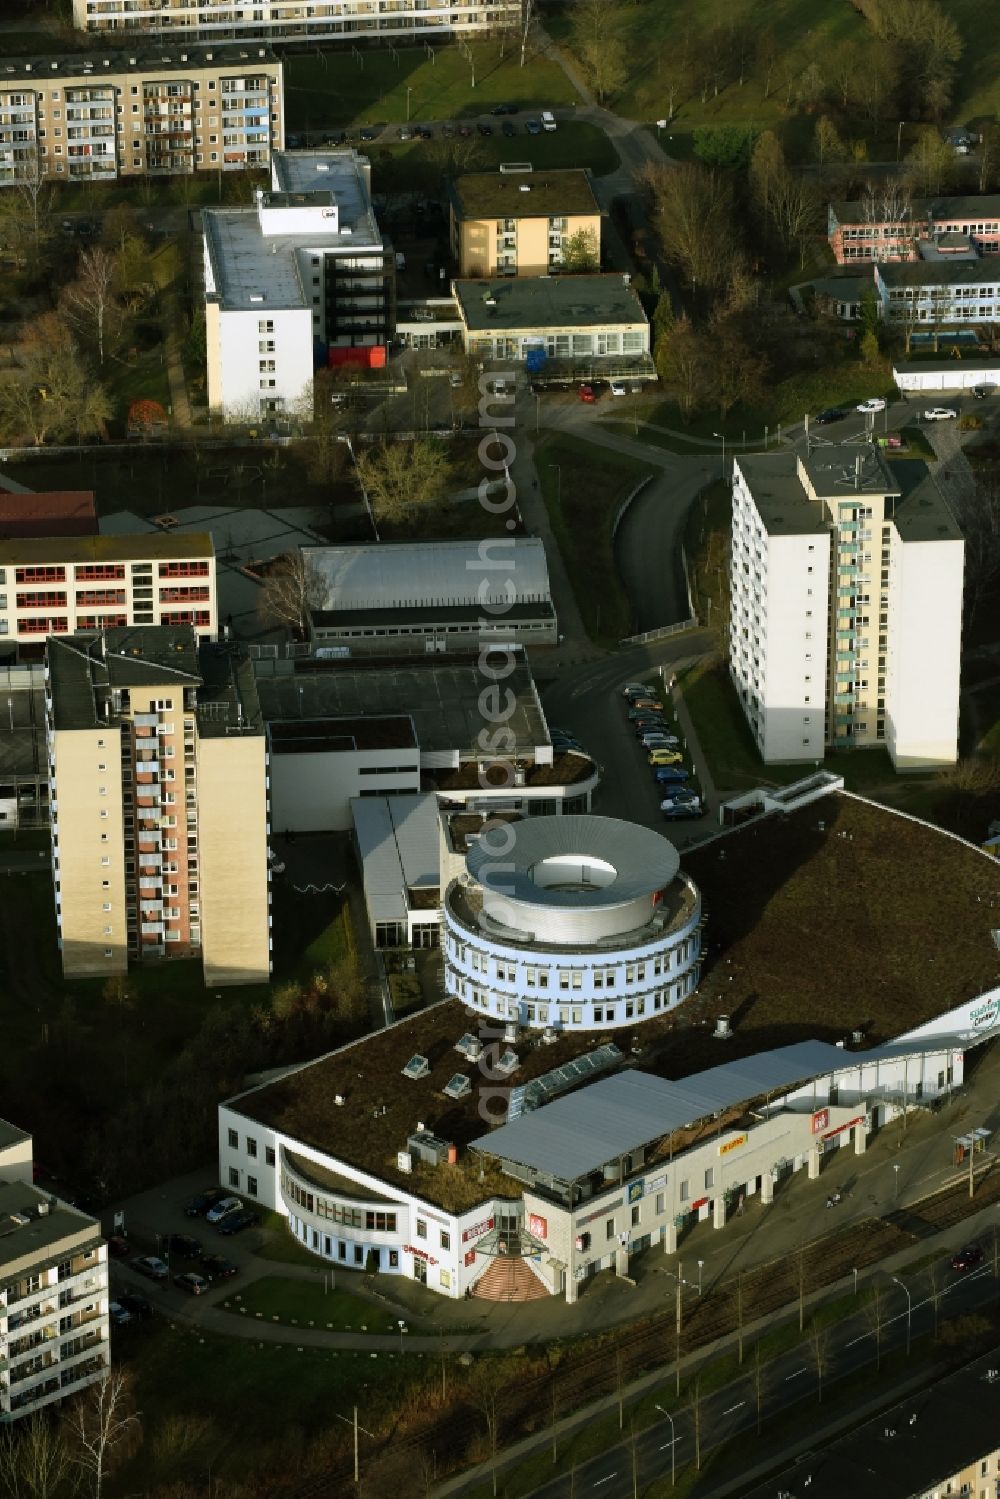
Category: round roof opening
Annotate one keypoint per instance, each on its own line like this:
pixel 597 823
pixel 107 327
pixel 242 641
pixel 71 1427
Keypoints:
pixel 572 872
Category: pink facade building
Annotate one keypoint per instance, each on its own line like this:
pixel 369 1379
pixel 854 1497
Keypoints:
pixel 923 229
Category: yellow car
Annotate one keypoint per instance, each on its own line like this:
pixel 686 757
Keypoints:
pixel 665 757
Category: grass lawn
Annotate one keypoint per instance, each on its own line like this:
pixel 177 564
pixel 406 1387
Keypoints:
pixel 419 165
pixel 225 1405
pixel 277 1298
pixel 336 89
pixel 583 487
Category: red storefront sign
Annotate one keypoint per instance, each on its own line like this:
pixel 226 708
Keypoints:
pixel 538 1227
pixel 841 1127
pixel 701 1202
pixel 820 1120
pixel 476 1230
pixel 470 1256
pixel 419 1254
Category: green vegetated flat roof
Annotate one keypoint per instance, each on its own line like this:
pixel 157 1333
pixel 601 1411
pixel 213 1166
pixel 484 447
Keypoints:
pixel 146 546
pixel 548 302
pixel 140 58
pixel 821 922
pixel 523 194
pixel 940 272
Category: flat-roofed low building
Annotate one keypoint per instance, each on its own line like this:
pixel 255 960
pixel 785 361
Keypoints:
pixel 69 512
pixel 59 585
pixel 938 293
pixel 430 595
pixel 98 116
pixel 519 223
pixel 346 21
pixel 339 730
pixel 397 842
pixel 54 1331
pixel 583 323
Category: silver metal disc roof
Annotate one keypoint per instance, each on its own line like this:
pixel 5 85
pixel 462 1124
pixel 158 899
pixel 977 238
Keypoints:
pixel 643 861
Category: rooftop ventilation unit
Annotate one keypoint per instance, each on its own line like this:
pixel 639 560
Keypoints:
pixel 427 1148
pixel 416 1068
pixel 507 1063
pixel 510 1031
pixel 404 1161
pixel 458 1086
pixel 723 1030
pixel 550 1036
pixel 469 1047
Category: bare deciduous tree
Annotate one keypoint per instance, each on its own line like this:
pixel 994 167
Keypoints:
pixel 695 1400
pixel 90 303
pixel 759 1377
pixel 818 1352
pixel 485 1385
pixel 877 1315
pixel 398 477
pixel 34 1460
pixel 694 218
pixel 291 590
pixel 103 1429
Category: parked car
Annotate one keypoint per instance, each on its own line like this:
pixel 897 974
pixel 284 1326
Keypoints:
pixel 405 133
pixel 636 713
pixel 587 394
pixel 235 1223
pixel 222 1208
pixel 505 109
pixel 967 1258
pixel 181 1244
pixel 680 796
pixel 983 392
pixel 425 132
pixel 216 1267
pixel 649 702
pixel 940 414
pixel 617 387
pixel 197 1207
pixel 484 128
pixel 658 740
pixel 368 133
pixel 151 1266
pixel 534 127
pixel 634 687
pixel 873 403
pixel 831 414
pixel 118 1313
pixel 508 128
pixel 548 120
pixel 670 775
pixel 651 726
pixel 119 1247
pixel 681 812
pixel 195 1285
pixel 665 757
pixel 136 1306
pixel 465 129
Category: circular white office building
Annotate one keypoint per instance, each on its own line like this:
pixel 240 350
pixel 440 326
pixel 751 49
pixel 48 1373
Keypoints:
pixel 573 923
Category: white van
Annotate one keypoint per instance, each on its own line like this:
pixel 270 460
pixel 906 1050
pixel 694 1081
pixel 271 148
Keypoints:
pixel 548 120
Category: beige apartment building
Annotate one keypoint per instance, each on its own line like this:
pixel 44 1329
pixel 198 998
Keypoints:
pixel 97 116
pixel 62 585
pixel 296 20
pixel 159 804
pixel 53 1290
pixel 517 223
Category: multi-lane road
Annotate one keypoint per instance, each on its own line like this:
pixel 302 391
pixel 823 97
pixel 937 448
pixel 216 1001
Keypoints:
pixel 731 1413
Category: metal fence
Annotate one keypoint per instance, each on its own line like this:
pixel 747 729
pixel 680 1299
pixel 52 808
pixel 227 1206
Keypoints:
pixel 663 633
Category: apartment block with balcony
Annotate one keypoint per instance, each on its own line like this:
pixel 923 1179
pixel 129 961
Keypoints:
pixel 296 20
pixel 53 1293
pixel 303 275
pixel 59 585
pixel 846 608
pixel 159 804
pixel 519 223
pixel 939 293
pixel 100 116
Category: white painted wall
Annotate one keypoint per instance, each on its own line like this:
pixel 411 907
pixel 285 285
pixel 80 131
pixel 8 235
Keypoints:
pixel 312 793
pixel 923 659
pixel 239 355
pixel 794 634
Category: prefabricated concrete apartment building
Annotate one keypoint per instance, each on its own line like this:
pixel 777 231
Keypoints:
pixel 322 20
pixel 846 607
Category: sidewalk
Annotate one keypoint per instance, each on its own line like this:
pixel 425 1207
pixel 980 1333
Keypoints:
pixel 699 760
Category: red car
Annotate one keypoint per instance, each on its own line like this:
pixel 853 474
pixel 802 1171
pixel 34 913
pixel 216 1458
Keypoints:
pixel 587 394
pixel 967 1258
pixel 119 1247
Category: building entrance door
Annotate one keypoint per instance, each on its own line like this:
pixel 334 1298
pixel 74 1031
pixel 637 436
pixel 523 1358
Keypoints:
pixel 420 1271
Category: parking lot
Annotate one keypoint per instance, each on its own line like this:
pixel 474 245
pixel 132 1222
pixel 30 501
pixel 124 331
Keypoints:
pixel 593 711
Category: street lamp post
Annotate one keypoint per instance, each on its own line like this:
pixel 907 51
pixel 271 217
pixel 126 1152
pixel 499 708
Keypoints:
pixel 701 1265
pixel 909 1309
pixel 723 437
pixel 855 1272
pixel 558 469
pixel 895 1195
pixel 673 1445
pixel 538 403
pixel 402 1328
pixel 899 137
pixel 409 90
